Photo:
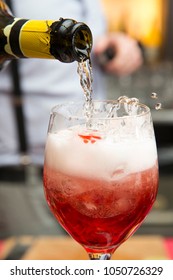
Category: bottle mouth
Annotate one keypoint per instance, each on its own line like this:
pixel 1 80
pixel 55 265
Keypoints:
pixel 82 42
pixel 70 40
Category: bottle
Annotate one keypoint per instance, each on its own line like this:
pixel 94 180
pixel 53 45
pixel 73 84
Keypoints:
pixel 66 39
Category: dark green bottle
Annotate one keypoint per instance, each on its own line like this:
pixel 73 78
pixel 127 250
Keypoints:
pixel 66 39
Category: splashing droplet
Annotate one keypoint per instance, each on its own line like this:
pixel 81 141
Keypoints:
pixel 154 95
pixel 158 106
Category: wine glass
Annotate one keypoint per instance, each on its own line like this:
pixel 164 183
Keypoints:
pixel 101 172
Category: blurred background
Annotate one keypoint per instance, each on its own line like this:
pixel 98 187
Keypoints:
pixel 150 22
pixel 23 210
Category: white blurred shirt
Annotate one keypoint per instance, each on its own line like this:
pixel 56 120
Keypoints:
pixel 45 82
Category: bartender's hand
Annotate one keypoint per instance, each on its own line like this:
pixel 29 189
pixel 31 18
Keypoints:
pixel 128 55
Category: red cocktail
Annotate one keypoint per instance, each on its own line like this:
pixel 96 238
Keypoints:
pixel 101 183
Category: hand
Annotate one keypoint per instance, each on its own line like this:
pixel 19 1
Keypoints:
pixel 128 55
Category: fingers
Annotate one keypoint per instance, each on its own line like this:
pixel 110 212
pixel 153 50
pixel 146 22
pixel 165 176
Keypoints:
pixel 125 62
pixel 128 56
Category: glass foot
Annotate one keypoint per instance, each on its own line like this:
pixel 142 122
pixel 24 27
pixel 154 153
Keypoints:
pixel 99 256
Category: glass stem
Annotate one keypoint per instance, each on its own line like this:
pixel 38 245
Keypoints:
pixel 99 256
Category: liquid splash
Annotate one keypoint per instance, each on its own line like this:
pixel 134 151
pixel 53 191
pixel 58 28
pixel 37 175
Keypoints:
pixel 86 80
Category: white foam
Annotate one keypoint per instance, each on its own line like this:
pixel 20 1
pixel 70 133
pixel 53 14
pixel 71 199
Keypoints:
pixel 66 152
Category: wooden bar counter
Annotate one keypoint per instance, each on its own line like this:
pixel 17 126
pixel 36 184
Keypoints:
pixel 65 248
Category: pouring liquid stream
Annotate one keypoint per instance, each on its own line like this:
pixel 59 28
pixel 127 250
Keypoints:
pixel 86 79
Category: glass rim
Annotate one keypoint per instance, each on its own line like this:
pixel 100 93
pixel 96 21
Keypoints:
pixel 54 109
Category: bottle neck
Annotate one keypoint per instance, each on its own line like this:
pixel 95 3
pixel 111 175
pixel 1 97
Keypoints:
pixel 65 40
pixel 28 38
pixel 73 39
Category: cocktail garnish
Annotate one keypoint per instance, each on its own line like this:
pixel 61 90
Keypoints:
pixel 90 138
